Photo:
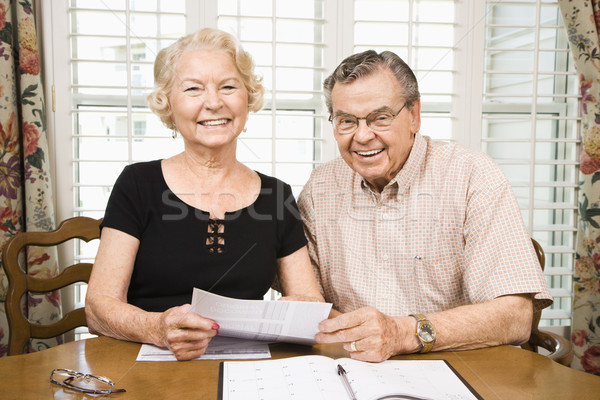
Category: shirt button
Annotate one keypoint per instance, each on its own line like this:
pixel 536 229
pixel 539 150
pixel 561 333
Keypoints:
pixel 385 257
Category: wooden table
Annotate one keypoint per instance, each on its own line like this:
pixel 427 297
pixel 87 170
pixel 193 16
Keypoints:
pixel 503 372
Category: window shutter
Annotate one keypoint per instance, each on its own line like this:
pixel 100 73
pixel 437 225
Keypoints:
pixel 422 33
pixel 530 126
pixel 111 75
pixel 286 40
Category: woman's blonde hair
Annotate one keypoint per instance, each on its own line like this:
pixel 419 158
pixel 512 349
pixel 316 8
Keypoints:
pixel 207 38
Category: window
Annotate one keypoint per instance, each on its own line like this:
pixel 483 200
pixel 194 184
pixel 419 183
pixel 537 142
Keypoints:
pixel 286 39
pixel 495 76
pixel 530 126
pixel 422 32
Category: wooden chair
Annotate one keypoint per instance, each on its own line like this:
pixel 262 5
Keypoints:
pixel 560 349
pixel 21 330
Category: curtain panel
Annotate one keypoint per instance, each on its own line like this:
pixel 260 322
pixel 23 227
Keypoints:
pixel 26 201
pixel 582 22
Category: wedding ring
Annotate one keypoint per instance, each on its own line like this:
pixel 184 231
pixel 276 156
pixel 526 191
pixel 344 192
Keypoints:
pixel 353 346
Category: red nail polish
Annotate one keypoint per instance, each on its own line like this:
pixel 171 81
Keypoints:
pixel 215 327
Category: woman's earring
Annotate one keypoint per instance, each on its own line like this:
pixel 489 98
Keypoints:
pixel 245 129
pixel 174 134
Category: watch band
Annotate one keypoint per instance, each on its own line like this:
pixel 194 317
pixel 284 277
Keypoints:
pixel 424 323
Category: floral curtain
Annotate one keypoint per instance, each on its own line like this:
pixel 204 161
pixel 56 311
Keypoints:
pixel 582 22
pixel 25 188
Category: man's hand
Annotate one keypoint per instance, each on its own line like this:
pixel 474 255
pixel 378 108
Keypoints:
pixel 370 335
pixel 185 333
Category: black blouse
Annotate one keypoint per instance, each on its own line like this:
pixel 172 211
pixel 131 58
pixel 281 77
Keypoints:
pixel 182 248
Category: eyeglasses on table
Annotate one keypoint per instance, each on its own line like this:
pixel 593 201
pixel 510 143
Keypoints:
pixel 85 383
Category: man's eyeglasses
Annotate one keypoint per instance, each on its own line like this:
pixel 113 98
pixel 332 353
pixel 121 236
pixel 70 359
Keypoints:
pixel 378 121
pixel 85 383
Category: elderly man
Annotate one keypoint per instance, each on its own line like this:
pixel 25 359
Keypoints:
pixel 419 244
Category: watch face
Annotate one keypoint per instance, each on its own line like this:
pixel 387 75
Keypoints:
pixel 426 333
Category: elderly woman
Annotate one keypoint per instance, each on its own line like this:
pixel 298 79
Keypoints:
pixel 200 218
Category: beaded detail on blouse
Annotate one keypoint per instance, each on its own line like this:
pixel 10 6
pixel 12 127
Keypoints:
pixel 215 238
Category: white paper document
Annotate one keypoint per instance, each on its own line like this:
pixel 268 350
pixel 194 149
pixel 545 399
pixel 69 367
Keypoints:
pixel 274 321
pixel 316 378
pixel 219 348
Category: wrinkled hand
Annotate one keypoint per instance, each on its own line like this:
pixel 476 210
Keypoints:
pixel 376 336
pixel 185 333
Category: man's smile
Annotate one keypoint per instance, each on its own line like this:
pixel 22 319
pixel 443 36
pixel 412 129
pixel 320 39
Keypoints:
pixel 369 153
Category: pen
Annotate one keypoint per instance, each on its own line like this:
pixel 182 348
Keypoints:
pixel 342 373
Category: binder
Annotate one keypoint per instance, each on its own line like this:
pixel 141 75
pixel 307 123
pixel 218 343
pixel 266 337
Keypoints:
pixel 316 377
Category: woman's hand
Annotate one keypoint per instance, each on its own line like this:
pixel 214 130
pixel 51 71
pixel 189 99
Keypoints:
pixel 185 333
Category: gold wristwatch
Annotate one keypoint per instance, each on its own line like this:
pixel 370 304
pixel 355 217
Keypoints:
pixel 425 333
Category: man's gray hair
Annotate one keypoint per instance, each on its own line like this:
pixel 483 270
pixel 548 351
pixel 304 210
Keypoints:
pixel 368 62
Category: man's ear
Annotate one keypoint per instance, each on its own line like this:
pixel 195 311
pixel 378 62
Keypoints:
pixel 415 116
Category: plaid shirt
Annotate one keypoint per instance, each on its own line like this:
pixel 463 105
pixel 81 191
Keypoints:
pixel 445 232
